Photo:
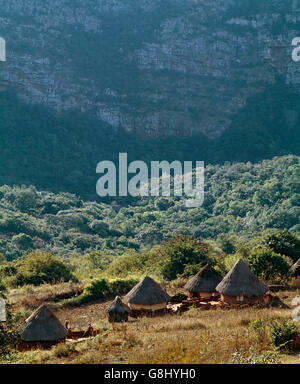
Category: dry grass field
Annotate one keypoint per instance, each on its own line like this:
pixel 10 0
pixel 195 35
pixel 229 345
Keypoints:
pixel 196 336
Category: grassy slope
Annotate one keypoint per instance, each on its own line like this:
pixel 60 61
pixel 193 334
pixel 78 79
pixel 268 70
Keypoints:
pixel 197 336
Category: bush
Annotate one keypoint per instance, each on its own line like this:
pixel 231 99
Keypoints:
pixel 121 287
pixel 181 252
pixel 100 227
pixel 38 268
pixel 23 241
pixel 284 242
pixel 98 260
pixel 84 242
pixel 97 289
pixel 268 264
pixel 101 289
pixel 8 338
pixel 7 269
pixel 259 327
pixel 164 204
pixel 282 333
pixel 26 199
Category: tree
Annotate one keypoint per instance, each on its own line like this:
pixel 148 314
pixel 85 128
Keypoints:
pixel 267 264
pixel 98 260
pixel 227 243
pixel 26 199
pixel 100 227
pixel 41 267
pixel 181 252
pixel 23 241
pixel 284 242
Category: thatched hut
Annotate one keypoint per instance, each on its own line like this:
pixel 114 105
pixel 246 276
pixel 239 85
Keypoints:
pixel 203 284
pixel 295 270
pixel 42 329
pixel 147 297
pixel 241 286
pixel 118 311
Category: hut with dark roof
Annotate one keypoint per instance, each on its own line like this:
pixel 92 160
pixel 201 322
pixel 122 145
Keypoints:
pixel 203 284
pixel 295 270
pixel 147 298
pixel 118 311
pixel 240 286
pixel 42 329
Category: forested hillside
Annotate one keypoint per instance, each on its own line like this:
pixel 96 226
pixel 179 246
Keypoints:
pixel 240 199
pixel 59 152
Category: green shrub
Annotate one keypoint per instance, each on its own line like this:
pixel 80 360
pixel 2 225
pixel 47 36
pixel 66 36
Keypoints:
pixel 268 264
pixel 97 289
pixel 98 260
pixel 38 268
pixel 181 252
pixel 259 327
pixel 26 199
pixel 7 269
pixel 8 338
pixel 283 242
pixel 282 333
pixel 23 241
pixel 121 287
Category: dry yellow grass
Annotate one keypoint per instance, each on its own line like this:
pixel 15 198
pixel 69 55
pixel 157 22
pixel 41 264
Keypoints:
pixel 29 297
pixel 197 336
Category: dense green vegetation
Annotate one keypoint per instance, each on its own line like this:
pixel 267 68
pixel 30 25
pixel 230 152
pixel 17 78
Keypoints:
pixel 241 200
pixel 102 288
pixel 35 269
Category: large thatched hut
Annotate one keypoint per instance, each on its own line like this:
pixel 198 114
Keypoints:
pixel 118 311
pixel 203 284
pixel 241 286
pixel 295 270
pixel 42 329
pixel 147 297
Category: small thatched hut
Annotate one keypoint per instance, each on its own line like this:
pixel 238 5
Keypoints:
pixel 295 270
pixel 118 311
pixel 241 286
pixel 203 284
pixel 42 329
pixel 147 297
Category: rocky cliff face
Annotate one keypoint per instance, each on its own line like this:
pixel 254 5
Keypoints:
pixel 153 67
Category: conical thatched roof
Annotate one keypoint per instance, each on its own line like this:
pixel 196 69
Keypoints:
pixel 295 270
pixel 43 325
pixel 205 280
pixel 147 292
pixel 241 281
pixel 117 306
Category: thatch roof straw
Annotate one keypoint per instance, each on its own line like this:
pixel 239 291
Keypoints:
pixel 117 306
pixel 147 292
pixel 43 325
pixel 205 280
pixel 241 281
